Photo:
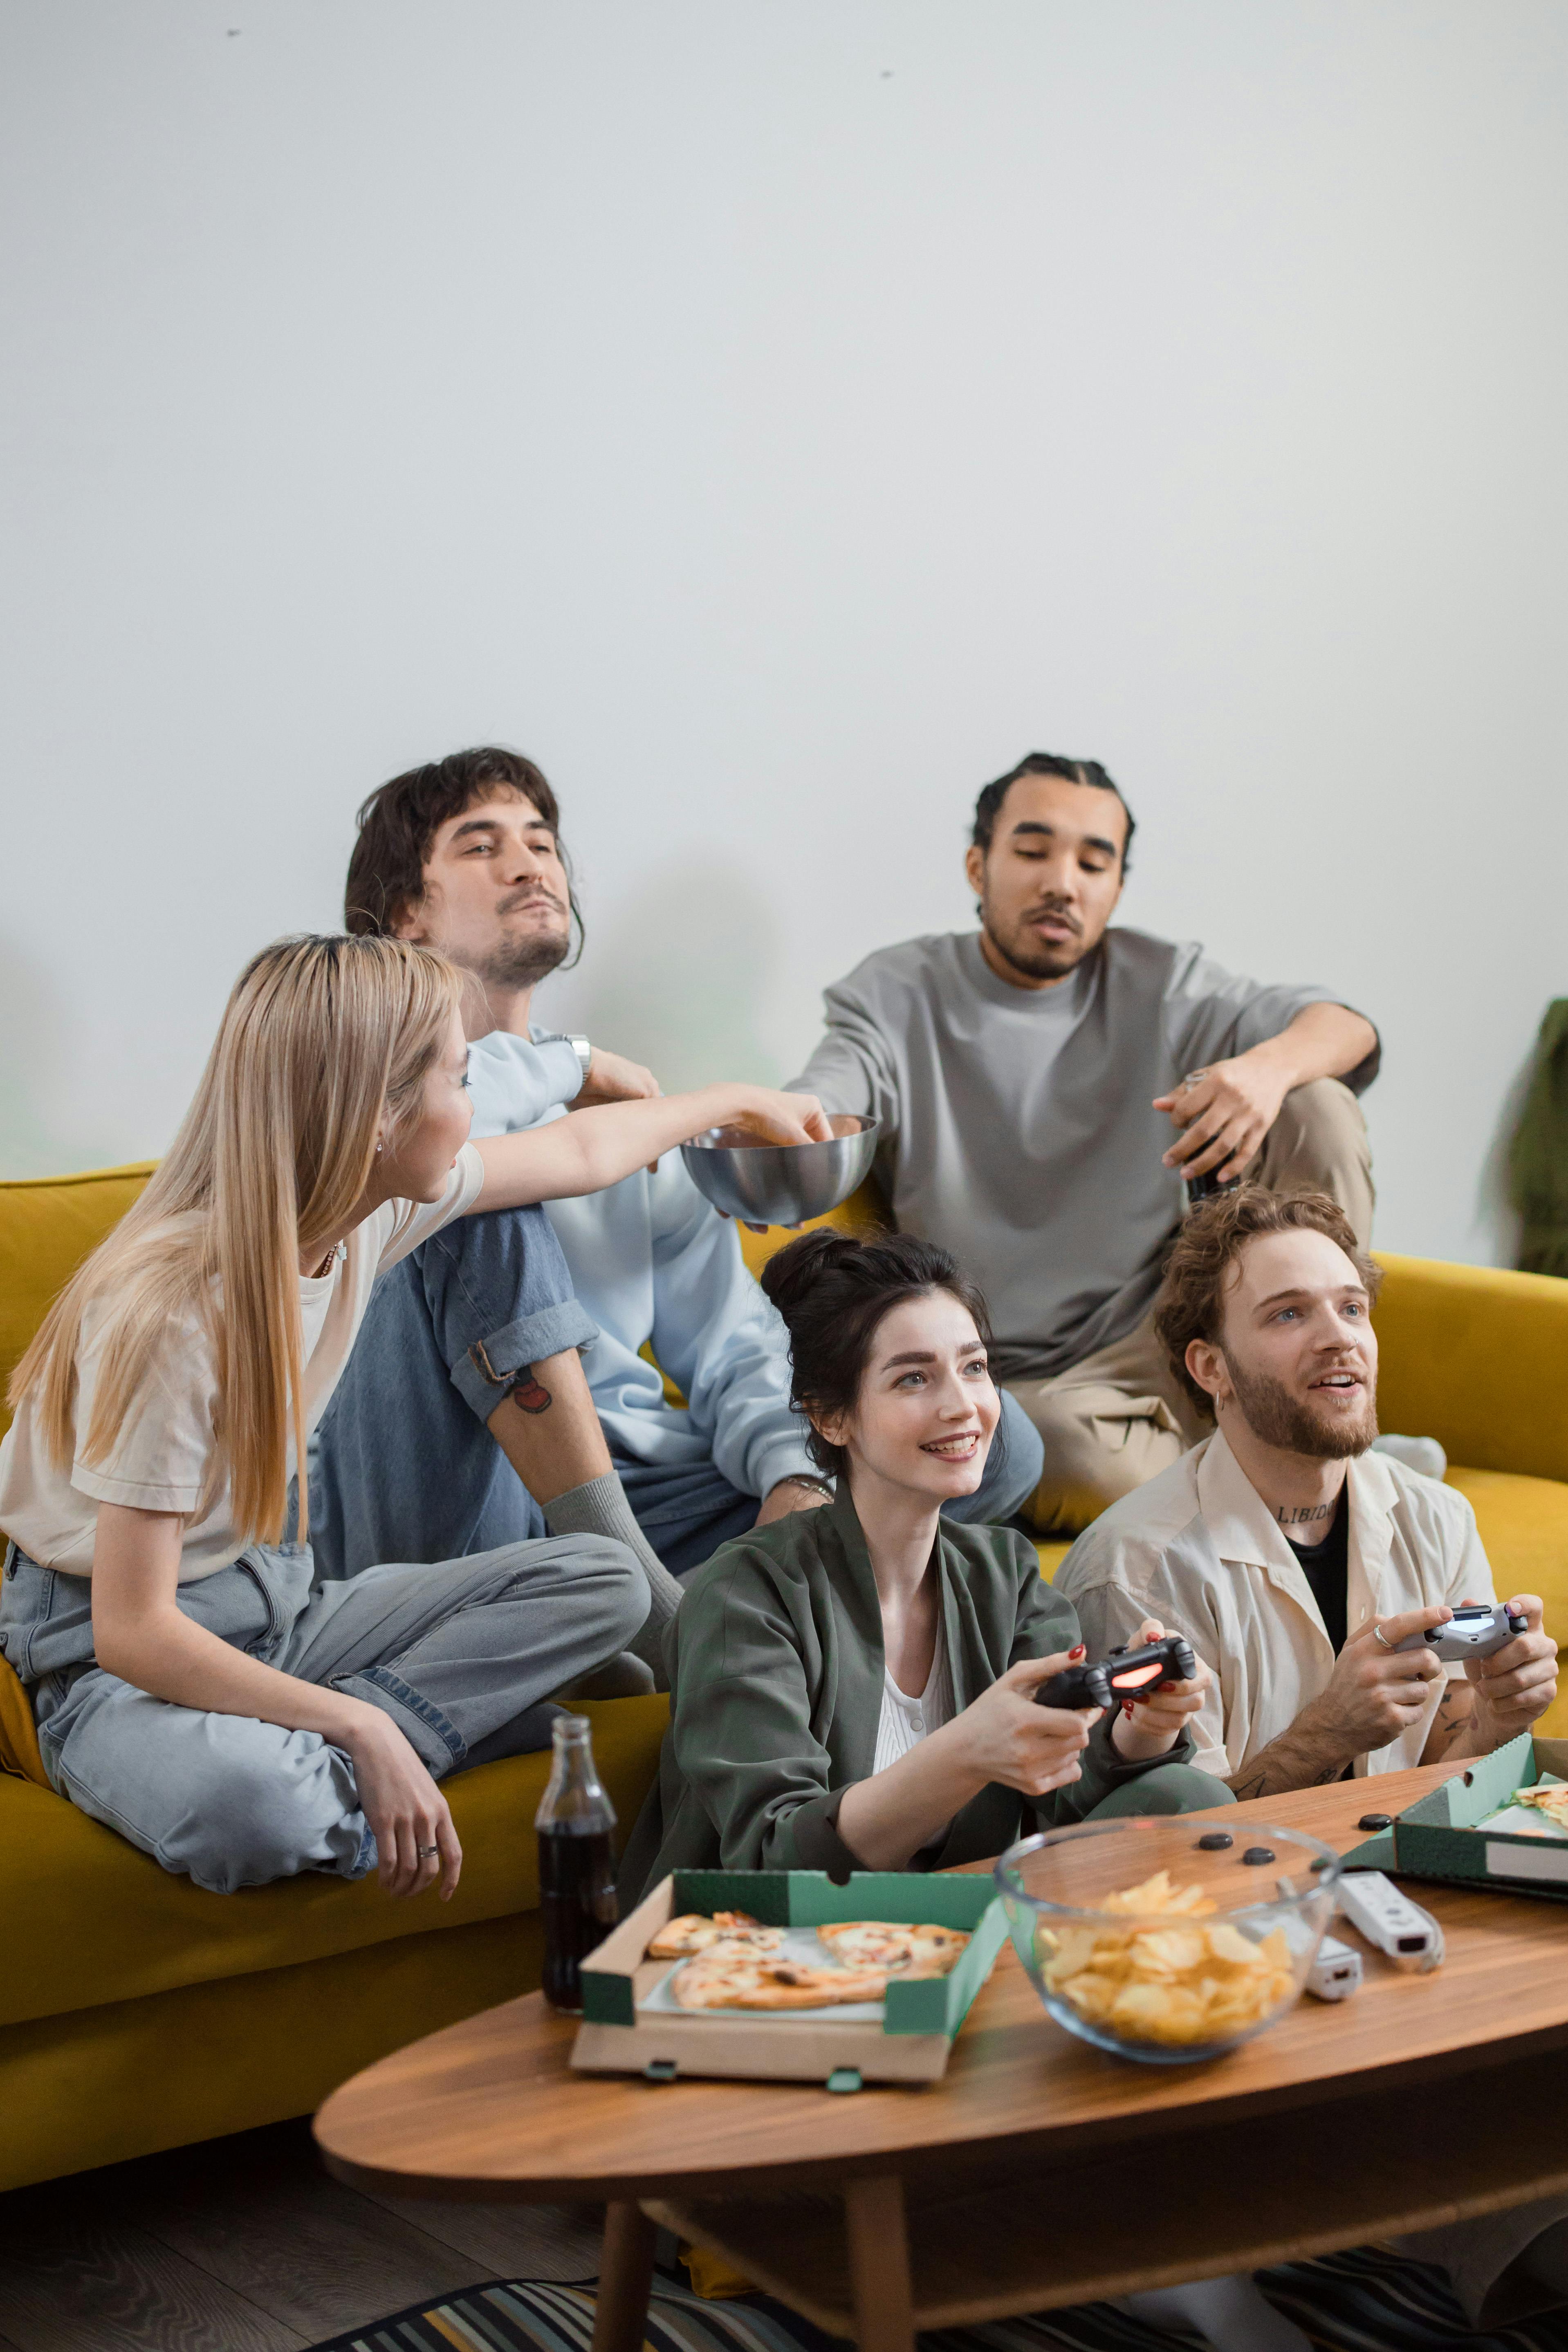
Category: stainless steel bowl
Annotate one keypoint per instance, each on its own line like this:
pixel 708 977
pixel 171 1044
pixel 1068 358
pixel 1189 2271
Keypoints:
pixel 781 1183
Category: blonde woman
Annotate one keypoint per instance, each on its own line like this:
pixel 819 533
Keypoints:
pixel 193 1684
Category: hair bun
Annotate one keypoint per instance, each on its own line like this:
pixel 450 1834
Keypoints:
pixel 795 1270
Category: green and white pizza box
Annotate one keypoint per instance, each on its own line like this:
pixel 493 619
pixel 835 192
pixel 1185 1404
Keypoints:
pixel 1454 1832
pixel 632 2025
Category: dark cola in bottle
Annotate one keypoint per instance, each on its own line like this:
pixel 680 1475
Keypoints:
pixel 1208 1187
pixel 576 1863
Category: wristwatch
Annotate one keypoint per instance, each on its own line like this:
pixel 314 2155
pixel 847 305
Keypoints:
pixel 583 1051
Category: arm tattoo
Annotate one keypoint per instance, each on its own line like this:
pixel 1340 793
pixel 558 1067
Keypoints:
pixel 1268 1779
pixel 531 1395
pixel 1455 1709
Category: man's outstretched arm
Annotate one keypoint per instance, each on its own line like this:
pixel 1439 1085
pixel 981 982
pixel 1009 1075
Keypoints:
pixel 1225 1116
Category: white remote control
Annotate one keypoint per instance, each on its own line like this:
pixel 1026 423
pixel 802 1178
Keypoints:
pixel 1411 1936
pixel 1335 1974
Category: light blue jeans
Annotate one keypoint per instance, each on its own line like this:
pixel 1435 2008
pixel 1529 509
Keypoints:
pixel 404 1463
pixel 461 1655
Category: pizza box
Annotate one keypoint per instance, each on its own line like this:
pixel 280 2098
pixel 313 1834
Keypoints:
pixel 906 2038
pixel 1441 1835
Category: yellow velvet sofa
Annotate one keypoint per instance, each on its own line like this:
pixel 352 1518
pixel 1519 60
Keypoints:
pixel 138 2012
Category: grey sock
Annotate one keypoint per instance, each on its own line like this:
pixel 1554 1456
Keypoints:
pixel 601 1508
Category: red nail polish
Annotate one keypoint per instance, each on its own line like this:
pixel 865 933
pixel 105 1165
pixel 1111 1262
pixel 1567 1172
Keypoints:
pixel 1127 1707
pixel 1077 1649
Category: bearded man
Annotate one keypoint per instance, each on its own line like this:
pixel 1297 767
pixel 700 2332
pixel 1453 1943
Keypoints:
pixel 1044 1085
pixel 1295 1559
pixel 507 1370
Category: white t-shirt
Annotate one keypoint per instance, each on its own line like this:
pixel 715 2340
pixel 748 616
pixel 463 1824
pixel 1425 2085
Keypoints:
pixel 904 1721
pixel 159 1460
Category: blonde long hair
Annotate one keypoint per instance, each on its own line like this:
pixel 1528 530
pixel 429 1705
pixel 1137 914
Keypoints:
pixel 321 1039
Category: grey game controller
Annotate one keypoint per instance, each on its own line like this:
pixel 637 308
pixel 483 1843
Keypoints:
pixel 1473 1631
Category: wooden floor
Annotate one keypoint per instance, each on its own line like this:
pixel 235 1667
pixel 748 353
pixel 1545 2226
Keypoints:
pixel 246 2245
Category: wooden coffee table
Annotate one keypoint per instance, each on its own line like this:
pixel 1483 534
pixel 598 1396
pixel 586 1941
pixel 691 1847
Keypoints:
pixel 1039 2172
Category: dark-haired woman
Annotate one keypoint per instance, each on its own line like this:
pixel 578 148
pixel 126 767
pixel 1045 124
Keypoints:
pixel 854 1687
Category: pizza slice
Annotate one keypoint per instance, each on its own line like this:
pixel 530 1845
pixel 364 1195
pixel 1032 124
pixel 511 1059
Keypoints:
pixel 902 1951
pixel 764 1984
pixel 693 1933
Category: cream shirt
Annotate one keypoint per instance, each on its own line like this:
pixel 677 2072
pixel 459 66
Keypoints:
pixel 1198 1548
pixel 159 1460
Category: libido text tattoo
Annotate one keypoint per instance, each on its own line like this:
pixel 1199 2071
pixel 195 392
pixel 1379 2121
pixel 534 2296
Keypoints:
pixel 1305 1514
pixel 531 1395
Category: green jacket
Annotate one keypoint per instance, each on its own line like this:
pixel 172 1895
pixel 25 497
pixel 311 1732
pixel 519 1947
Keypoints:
pixel 776 1669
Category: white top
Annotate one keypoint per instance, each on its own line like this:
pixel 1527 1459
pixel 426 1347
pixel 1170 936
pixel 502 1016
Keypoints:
pixel 1198 1548
pixel 904 1722
pixel 159 1460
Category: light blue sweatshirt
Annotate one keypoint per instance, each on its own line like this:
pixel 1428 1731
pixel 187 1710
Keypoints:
pixel 652 1262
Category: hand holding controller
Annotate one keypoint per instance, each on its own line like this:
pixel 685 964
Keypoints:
pixel 1124 1674
pixel 1476 1630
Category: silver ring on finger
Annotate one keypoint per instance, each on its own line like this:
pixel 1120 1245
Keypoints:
pixel 1194 1079
pixel 424 1852
pixel 1379 1635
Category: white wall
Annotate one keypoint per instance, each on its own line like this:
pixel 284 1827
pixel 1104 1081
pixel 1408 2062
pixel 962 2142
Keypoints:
pixel 776 415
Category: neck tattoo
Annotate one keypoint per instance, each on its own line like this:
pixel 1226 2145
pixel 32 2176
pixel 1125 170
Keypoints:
pixel 1306 1513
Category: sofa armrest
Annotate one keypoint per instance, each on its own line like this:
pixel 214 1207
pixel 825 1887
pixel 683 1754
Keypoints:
pixel 1477 1356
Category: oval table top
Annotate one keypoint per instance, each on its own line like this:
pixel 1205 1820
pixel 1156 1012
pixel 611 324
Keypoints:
pixel 490 2108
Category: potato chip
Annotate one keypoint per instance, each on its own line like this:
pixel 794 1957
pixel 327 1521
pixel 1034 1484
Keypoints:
pixel 1168 1951
pixel 1178 1985
pixel 1228 1944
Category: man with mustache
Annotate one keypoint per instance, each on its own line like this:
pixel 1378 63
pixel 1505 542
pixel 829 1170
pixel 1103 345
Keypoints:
pixel 1027 1079
pixel 530 1330
pixel 1295 1559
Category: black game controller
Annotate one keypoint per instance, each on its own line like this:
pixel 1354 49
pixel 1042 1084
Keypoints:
pixel 1125 1673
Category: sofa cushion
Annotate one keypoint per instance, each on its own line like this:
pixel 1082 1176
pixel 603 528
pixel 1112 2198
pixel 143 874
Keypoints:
pixel 1473 1355
pixel 1523 1524
pixel 19 1733
pixel 1052 1554
pixel 90 1918
pixel 48 1225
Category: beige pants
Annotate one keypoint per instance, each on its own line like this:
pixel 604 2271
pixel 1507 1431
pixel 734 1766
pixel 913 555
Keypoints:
pixel 1120 1417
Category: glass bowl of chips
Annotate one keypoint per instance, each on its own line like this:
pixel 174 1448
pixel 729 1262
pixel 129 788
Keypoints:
pixel 1145 1938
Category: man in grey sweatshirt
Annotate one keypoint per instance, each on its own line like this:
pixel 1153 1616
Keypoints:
pixel 1044 1088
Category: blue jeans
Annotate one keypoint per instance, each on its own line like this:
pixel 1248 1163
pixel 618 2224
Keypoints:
pixel 686 1511
pixel 461 1654
pixel 405 1468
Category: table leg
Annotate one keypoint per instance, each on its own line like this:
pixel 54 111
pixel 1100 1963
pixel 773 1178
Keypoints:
pixel 879 2265
pixel 626 2275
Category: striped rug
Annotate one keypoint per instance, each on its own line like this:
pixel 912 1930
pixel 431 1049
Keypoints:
pixel 1364 2301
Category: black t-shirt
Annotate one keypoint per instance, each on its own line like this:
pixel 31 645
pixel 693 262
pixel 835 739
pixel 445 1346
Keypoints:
pixel 1326 1567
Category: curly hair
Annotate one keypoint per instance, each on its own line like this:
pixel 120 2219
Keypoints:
pixel 1191 1304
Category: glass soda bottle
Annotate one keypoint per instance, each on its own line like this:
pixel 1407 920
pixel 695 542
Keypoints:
pixel 576 1877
